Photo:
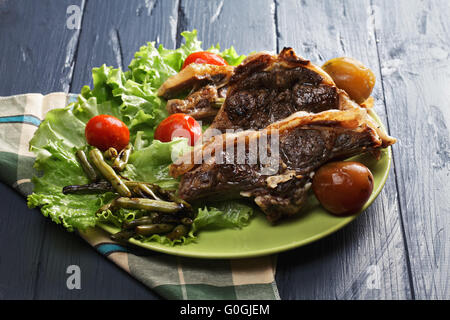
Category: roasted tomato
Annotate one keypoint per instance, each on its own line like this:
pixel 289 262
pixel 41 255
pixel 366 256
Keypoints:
pixel 352 76
pixel 105 131
pixel 343 187
pixel 204 57
pixel 178 125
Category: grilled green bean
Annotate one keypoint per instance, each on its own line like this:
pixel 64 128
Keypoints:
pixel 122 159
pixel 153 228
pixel 186 221
pixel 163 192
pixel 143 191
pixel 147 204
pixel 153 215
pixel 170 195
pixel 96 187
pixel 146 190
pixel 109 173
pixel 123 235
pixel 167 218
pixel 166 194
pixel 184 204
pixel 155 188
pixel 186 208
pixel 132 184
pixel 137 222
pixel 111 153
pixel 87 168
pixel 178 232
pixel 138 193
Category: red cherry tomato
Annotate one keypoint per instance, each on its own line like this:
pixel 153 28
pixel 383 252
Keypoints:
pixel 204 57
pixel 104 131
pixel 178 125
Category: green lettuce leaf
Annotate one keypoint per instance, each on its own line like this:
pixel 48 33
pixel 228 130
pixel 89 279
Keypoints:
pixel 226 214
pixel 151 164
pixel 131 97
pixel 230 55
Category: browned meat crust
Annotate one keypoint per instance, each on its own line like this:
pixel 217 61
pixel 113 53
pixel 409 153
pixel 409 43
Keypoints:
pixel 195 76
pixel 201 104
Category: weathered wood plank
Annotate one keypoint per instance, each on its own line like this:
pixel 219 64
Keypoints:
pixel 36 50
pixel 111 33
pixel 37 47
pixel 342 265
pixel 241 23
pixel 21 234
pixel 414 46
pixel 100 278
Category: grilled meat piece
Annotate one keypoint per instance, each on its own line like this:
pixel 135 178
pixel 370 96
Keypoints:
pixel 266 88
pixel 278 185
pixel 195 76
pixel 201 104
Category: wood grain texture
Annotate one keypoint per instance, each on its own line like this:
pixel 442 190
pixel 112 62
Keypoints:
pixel 21 234
pixel 414 45
pixel 100 278
pixel 39 46
pixel 37 51
pixel 342 265
pixel 111 33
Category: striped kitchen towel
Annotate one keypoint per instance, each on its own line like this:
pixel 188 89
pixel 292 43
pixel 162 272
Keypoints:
pixel 170 276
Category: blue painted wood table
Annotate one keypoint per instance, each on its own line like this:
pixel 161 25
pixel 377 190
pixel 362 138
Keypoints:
pixel 404 237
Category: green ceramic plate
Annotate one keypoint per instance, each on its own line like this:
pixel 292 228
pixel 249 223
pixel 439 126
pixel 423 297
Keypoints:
pixel 261 238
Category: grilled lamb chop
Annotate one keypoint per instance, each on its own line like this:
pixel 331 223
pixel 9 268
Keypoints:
pixel 266 88
pixel 279 187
